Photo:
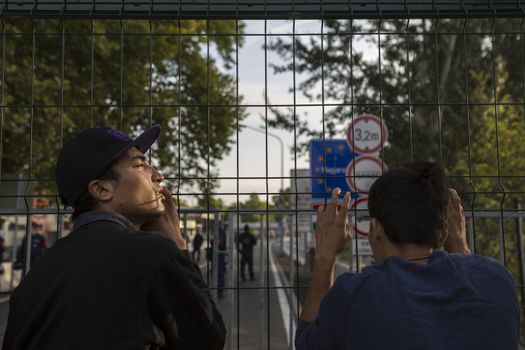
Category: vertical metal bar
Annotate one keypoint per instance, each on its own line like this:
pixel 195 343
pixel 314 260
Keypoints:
pixel 231 294
pixel 185 226
pixel 179 113
pixel 498 161
pixel 92 81
pixel 30 156
pixel 354 217
pixel 267 196
pixel 522 40
pixel 296 223
pixel 208 124
pixel 470 236
pixel 469 131
pixel 121 102
pixel 438 97
pixel 150 85
pixel 237 208
pixel 500 241
pixel 2 100
pixel 261 280
pixel 521 254
pixel 291 275
pixel 216 252
pixel 409 82
pixel 59 215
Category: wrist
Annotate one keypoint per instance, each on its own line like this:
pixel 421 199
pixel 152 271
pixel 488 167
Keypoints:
pixel 324 261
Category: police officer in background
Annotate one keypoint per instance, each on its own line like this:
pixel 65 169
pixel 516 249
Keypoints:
pixel 246 242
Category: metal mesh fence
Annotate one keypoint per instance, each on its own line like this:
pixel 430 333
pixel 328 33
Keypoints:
pixel 228 80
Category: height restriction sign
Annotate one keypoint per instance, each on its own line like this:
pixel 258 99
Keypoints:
pixel 366 134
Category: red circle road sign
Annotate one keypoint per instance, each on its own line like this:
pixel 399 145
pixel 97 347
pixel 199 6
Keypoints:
pixel 363 171
pixel 366 134
pixel 360 216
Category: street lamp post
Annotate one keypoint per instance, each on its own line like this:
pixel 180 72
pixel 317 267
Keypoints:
pixel 265 131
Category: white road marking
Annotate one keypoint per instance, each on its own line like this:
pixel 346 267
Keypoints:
pixel 283 300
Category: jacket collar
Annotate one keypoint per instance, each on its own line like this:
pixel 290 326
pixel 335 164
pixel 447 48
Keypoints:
pixel 92 216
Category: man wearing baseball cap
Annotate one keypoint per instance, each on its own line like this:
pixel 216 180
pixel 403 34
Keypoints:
pixel 122 279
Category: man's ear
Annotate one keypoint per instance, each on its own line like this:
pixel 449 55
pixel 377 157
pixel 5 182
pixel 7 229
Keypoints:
pixel 101 190
pixel 377 228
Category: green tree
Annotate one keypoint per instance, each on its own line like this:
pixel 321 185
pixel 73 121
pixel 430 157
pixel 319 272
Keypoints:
pixel 253 203
pixel 62 77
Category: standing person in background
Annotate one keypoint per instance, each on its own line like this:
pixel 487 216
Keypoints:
pixel 38 246
pixel 416 296
pixel 222 259
pixel 245 245
pixel 197 243
pixel 123 279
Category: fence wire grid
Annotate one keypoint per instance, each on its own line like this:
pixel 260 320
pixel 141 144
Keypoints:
pixel 242 91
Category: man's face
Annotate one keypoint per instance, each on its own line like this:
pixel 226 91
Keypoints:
pixel 136 194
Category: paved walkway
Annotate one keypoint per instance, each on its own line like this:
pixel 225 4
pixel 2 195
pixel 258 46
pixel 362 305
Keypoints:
pixel 253 310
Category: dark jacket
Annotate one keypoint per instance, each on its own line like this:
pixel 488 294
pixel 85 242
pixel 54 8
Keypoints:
pixel 107 287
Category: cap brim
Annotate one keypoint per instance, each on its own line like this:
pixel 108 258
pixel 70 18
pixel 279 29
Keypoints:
pixel 144 141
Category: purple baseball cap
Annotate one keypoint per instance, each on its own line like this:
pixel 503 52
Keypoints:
pixel 91 153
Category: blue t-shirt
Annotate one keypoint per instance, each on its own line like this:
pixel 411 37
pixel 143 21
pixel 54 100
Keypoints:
pixel 455 301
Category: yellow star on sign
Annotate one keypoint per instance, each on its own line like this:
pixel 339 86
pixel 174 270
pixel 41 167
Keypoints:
pixel 320 158
pixel 329 150
pixel 320 181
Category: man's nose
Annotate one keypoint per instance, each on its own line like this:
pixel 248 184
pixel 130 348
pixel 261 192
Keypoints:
pixel 156 176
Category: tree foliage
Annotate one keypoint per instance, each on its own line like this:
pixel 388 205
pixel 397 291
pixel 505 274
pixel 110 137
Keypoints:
pixel 60 77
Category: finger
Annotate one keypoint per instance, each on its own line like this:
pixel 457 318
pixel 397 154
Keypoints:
pixel 454 195
pixel 332 208
pixel 320 211
pixel 345 206
pixel 167 197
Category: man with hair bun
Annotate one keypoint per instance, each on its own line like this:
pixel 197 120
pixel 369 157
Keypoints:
pixel 425 290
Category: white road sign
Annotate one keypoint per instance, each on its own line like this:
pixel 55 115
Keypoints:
pixel 363 171
pixel 366 134
pixel 360 216
pixel 363 247
pixel 301 178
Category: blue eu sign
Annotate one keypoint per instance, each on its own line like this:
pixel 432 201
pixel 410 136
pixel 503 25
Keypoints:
pixel 334 156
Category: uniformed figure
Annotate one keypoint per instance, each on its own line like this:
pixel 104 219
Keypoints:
pixel 123 278
pixel 38 246
pixel 246 242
